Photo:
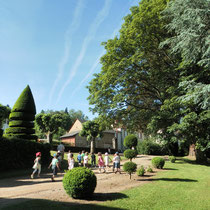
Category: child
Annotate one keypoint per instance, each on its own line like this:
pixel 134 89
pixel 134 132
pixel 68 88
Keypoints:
pixel 93 160
pixel 107 160
pixel 59 157
pixel 71 162
pixel 55 166
pixel 100 163
pixel 69 156
pixel 85 162
pixel 82 156
pixel 116 161
pixel 79 158
pixel 37 165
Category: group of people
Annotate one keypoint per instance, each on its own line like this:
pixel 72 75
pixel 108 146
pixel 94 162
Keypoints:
pixel 83 160
pixel 103 163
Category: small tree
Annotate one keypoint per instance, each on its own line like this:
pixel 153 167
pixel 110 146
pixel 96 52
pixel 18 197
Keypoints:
pixel 129 167
pixel 91 130
pixel 130 141
pixel 130 154
pixel 21 118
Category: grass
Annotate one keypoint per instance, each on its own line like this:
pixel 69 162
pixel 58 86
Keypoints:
pixel 182 186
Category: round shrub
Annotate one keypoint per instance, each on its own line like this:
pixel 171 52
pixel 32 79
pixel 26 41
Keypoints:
pixel 172 159
pixel 79 182
pixel 158 162
pixel 129 167
pixel 130 154
pixel 130 141
pixel 141 171
pixel 149 169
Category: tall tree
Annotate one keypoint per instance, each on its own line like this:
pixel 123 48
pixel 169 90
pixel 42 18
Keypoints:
pixel 136 74
pixel 21 118
pixel 190 24
pixel 91 130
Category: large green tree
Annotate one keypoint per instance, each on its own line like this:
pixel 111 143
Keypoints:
pixel 53 122
pixel 190 24
pixel 4 114
pixel 21 118
pixel 136 75
pixel 91 130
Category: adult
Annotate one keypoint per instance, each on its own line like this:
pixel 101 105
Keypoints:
pixel 61 149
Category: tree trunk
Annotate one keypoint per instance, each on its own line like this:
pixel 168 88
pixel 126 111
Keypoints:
pixel 200 156
pixel 130 175
pixel 92 146
pixel 49 137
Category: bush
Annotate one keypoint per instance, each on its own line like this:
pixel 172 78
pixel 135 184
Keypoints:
pixel 130 141
pixel 158 162
pixel 130 154
pixel 129 167
pixel 172 159
pixel 79 182
pixel 148 147
pixel 141 171
pixel 149 169
pixel 20 154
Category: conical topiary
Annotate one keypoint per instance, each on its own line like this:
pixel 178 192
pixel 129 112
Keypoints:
pixel 21 118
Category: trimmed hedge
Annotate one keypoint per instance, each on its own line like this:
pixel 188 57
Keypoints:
pixel 158 162
pixel 172 159
pixel 141 171
pixel 21 136
pixel 130 154
pixel 129 167
pixel 130 141
pixel 20 154
pixel 80 182
pixel 21 116
pixel 21 123
pixel 19 130
pixel 25 102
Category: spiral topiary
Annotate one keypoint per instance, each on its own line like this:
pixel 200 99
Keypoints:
pixel 130 141
pixel 79 182
pixel 21 118
pixel 158 162
pixel 130 154
pixel 129 167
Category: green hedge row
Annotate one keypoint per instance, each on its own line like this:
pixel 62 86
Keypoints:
pixel 20 154
pixel 19 130
pixel 21 123
pixel 21 136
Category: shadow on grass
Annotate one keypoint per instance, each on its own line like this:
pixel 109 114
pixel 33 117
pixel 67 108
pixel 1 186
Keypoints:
pixel 185 160
pixel 107 196
pixel 34 204
pixel 170 169
pixel 170 180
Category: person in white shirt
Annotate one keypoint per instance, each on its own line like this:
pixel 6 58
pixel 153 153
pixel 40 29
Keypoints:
pixel 71 162
pixel 85 162
pixel 107 160
pixel 116 161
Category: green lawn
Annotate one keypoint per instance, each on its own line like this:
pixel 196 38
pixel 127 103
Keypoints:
pixel 183 186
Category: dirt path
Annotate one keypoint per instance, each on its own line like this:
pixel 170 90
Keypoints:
pixel 15 190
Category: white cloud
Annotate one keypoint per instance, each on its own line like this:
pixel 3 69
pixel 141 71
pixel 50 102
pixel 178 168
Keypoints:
pixel 91 34
pixel 67 45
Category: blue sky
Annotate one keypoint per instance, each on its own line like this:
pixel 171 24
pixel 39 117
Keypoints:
pixel 54 46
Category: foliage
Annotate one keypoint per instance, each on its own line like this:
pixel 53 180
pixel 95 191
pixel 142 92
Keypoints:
pixel 130 141
pixel 172 159
pixel 129 167
pixel 22 116
pixel 141 171
pixel 149 169
pixel 4 113
pixel 74 115
pixel 51 123
pixel 91 130
pixel 130 154
pixel 190 25
pixel 136 74
pixel 79 182
pixel 158 162
pixel 150 147
pixel 20 154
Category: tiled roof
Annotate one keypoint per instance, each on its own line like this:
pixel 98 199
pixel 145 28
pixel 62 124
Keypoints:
pixel 74 133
